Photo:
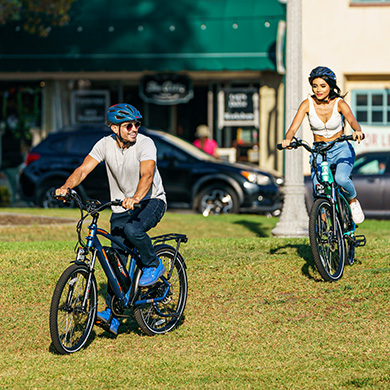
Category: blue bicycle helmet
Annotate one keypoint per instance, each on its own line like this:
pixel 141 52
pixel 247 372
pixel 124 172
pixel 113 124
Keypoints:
pixel 122 112
pixel 322 72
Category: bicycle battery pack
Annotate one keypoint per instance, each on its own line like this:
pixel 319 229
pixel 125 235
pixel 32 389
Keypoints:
pixel 118 267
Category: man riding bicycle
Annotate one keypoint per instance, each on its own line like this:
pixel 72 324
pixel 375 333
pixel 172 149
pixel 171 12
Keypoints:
pixel 130 160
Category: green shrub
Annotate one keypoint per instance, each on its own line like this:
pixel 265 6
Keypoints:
pixel 5 196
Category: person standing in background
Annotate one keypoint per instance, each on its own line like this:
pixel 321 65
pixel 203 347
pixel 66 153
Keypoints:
pixel 204 142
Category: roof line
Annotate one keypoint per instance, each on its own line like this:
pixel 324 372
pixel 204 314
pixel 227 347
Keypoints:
pixel 134 56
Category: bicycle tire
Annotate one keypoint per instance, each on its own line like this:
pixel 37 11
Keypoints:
pixel 71 327
pixel 149 316
pixel 328 251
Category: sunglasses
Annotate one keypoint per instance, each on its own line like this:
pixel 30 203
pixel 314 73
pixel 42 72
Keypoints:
pixel 136 124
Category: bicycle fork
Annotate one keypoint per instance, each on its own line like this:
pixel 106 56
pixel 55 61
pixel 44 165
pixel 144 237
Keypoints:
pixel 91 267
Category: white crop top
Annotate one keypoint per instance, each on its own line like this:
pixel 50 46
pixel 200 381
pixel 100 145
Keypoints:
pixel 331 127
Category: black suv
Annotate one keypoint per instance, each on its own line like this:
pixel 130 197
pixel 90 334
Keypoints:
pixel 191 178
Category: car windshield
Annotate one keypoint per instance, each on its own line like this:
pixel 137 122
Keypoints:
pixel 184 145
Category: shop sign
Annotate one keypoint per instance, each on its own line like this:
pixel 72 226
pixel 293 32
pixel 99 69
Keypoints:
pixel 166 89
pixel 238 107
pixel 89 106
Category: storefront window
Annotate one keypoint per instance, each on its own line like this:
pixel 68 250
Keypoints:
pixel 372 106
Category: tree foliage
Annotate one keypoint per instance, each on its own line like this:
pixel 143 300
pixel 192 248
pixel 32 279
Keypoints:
pixel 36 16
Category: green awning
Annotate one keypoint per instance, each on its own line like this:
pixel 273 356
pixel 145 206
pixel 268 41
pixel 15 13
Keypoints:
pixel 153 35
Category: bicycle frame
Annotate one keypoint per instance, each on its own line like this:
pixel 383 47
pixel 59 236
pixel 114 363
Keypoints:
pixel 94 246
pixel 331 191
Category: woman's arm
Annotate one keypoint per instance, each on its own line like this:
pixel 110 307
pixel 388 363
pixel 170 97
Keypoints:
pixel 297 121
pixel 348 115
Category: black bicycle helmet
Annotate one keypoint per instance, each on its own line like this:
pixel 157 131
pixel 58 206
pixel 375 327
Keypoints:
pixel 122 112
pixel 322 72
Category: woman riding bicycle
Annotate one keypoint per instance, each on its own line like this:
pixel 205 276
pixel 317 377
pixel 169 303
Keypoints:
pixel 326 111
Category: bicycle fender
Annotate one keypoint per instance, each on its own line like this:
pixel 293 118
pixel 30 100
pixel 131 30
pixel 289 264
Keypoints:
pixel 321 196
pixel 165 246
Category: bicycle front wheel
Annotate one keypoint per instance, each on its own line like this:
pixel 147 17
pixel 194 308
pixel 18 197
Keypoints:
pixel 71 321
pixel 161 317
pixel 326 241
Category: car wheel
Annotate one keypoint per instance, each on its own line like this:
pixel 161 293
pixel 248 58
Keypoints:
pixel 217 199
pixel 46 201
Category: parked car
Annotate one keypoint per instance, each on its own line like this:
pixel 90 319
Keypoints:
pixel 191 178
pixel 371 177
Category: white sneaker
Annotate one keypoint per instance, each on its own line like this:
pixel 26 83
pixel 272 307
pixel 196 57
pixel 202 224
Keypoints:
pixel 357 212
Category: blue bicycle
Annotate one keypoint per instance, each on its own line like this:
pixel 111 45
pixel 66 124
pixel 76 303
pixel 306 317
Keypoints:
pixel 331 228
pixel 157 309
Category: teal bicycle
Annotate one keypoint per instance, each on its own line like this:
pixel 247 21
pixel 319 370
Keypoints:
pixel 157 309
pixel 331 227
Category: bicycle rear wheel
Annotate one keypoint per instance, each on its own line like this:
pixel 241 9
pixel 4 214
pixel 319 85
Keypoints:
pixel 161 317
pixel 327 242
pixel 70 323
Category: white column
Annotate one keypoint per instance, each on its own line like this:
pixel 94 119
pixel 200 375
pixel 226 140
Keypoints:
pixel 293 221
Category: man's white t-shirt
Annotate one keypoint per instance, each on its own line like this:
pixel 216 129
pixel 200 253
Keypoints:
pixel 123 167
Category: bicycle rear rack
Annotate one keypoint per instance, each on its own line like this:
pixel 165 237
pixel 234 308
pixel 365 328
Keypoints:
pixel 179 238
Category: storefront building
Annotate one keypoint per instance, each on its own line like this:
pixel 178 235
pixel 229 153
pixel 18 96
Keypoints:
pixel 181 63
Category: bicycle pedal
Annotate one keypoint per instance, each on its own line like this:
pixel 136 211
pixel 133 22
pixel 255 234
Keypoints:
pixel 103 324
pixel 360 240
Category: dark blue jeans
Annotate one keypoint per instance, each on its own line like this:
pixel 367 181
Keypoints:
pixel 131 227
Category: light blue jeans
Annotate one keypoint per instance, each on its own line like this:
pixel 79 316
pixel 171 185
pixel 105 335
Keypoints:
pixel 342 155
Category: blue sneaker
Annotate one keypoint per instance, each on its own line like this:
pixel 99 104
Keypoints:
pixel 150 275
pixel 104 316
pixel 114 326
pixel 106 321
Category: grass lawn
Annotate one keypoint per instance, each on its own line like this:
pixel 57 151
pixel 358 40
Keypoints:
pixel 258 314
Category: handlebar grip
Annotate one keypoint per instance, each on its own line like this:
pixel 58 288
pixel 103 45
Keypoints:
pixel 71 194
pixel 350 137
pixel 66 197
pixel 293 145
pixel 118 202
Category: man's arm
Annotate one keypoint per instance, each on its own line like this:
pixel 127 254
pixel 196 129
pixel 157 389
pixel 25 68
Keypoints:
pixel 146 172
pixel 79 174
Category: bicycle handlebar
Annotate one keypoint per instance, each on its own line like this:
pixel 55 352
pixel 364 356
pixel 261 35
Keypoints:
pixel 94 206
pixel 322 146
